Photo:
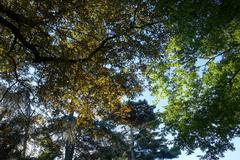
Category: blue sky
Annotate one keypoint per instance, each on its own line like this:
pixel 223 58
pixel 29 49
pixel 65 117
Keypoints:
pixel 229 155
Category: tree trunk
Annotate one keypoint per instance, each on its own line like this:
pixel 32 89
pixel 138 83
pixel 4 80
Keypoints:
pixel 132 144
pixel 69 150
pixel 26 129
pixel 25 141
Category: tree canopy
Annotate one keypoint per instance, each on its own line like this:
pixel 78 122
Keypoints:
pixel 66 68
pixel 200 75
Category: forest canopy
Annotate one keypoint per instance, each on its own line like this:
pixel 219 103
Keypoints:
pixel 71 70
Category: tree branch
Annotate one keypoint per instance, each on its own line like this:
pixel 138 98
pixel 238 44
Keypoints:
pixel 234 75
pixel 20 19
pixel 80 60
pixel 38 58
pixel 20 37
pixel 32 48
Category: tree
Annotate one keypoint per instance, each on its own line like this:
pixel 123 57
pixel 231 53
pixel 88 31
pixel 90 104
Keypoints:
pixel 82 58
pixel 102 140
pixel 146 139
pixel 150 144
pixel 55 50
pixel 74 58
pixel 200 75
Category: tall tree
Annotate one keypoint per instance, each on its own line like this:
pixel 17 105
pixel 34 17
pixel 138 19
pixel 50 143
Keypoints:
pixel 55 50
pixel 76 57
pixel 146 140
pixel 200 75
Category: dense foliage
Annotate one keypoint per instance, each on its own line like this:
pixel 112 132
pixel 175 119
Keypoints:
pixel 67 68
pixel 200 75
